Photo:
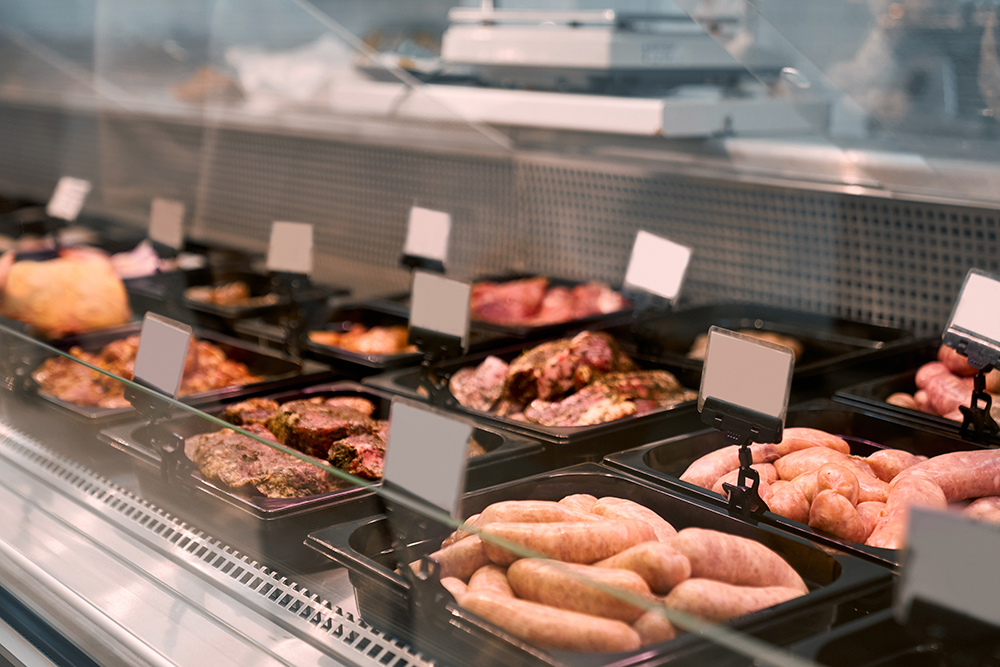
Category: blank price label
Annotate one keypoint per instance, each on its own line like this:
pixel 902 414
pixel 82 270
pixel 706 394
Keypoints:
pixel 427 234
pixel 657 266
pixel 166 222
pixel 426 454
pixel 291 248
pixel 747 372
pixel 441 305
pixel 163 346
pixel 977 311
pixel 68 197
pixel 951 563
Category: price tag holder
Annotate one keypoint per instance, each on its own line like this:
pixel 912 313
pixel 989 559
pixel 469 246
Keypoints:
pixel 291 248
pixel 166 222
pixel 426 455
pixel 439 315
pixel 948 578
pixel 974 326
pixel 745 385
pixel 657 266
pixel 163 347
pixel 744 392
pixel 427 234
pixel 68 198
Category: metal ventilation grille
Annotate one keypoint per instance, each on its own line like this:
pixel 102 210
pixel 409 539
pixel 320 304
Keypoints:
pixel 228 568
pixel 886 261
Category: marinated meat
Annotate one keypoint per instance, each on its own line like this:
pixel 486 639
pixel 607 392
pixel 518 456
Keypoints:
pixel 252 411
pixel 362 455
pixel 311 427
pixel 361 339
pixel 700 346
pixel 531 302
pixel 480 387
pixel 362 405
pixel 244 463
pixel 205 369
pixel 236 293
pixel 559 367
pixel 510 303
pixel 576 381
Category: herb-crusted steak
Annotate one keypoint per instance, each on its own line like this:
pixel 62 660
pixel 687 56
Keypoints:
pixel 362 455
pixel 252 411
pixel 311 427
pixel 243 463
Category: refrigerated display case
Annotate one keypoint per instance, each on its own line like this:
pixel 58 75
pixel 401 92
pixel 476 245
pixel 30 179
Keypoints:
pixel 832 166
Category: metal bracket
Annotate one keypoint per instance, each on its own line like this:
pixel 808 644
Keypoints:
pixel 978 424
pixel 436 348
pixel 167 444
pixel 294 320
pixel 415 262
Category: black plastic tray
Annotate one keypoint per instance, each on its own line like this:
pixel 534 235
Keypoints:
pixel 664 462
pixel 871 395
pixel 878 640
pixel 828 342
pixel 281 524
pixel 569 444
pixel 267 331
pixel 456 636
pixel 600 321
pixel 278 370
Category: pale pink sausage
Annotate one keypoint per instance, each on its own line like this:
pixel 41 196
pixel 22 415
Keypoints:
pixel 903 400
pixel 456 587
pixel 947 392
pixel 833 513
pixel 718 601
pixel 929 371
pixel 984 509
pixel 887 463
pixel 707 470
pixel 923 402
pixel 733 559
pixel 798 438
pixel 460 559
pixel 610 507
pixel 955 362
pixel 653 628
pixel 809 460
pixel 659 564
pixel 575 542
pixel 914 491
pixel 839 479
pixel 961 475
pixel 790 501
pixel 579 501
pixel 872 513
pixel 491 578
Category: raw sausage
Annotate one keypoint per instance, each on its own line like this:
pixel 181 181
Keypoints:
pixel 717 601
pixel 659 564
pixel 579 501
pixel 961 475
pixel 573 542
pixel 903 400
pixel 808 460
pixel 984 509
pixel 530 511
pixel 906 492
pixel 653 627
pixel 568 586
pixel 707 470
pixel 796 439
pixel 491 578
pixel 872 513
pixel 552 628
pixel 928 372
pixel 947 392
pixel 923 401
pixel 460 559
pixel 872 489
pixel 734 559
pixel 765 470
pixel 839 479
pixel 887 463
pixel 460 534
pixel 620 508
pixel 955 362
pixel 833 513
pixel 456 587
pixel 790 501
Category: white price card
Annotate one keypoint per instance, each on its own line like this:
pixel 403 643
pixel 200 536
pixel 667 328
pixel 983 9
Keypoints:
pixel 68 197
pixel 427 234
pixel 657 265
pixel 441 305
pixel 951 562
pixel 166 222
pixel 977 311
pixel 163 347
pixel 427 454
pixel 747 372
pixel 291 248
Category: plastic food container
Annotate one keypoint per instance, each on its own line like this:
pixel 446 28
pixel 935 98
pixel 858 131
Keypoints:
pixel 278 370
pixel 664 462
pixel 455 636
pixel 276 527
pixel 567 444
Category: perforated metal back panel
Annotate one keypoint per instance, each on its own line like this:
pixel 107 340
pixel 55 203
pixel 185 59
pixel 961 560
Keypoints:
pixel 864 258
